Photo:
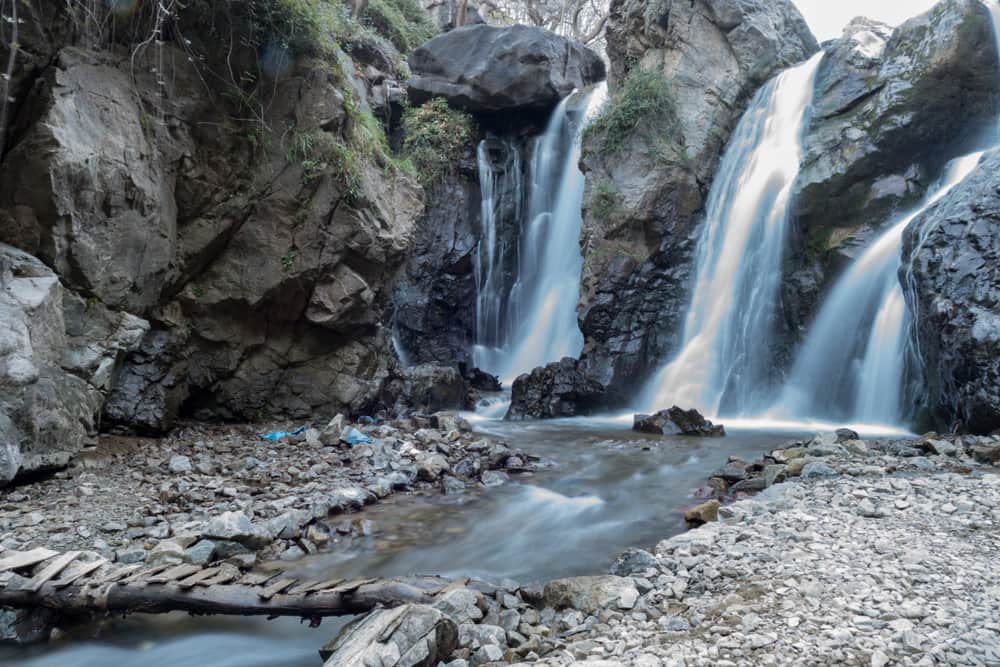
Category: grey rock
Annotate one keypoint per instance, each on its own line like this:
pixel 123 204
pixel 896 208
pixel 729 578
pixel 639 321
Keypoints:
pixel 407 636
pixel 131 555
pixel 179 465
pixel 237 527
pixel 589 594
pixel 489 69
pixel 460 605
pixel 677 421
pixel 200 553
pixel 816 469
pixel 633 562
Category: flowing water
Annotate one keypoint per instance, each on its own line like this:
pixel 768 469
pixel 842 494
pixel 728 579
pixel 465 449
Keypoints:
pixel 723 363
pixel 851 363
pixel 601 489
pixel 535 321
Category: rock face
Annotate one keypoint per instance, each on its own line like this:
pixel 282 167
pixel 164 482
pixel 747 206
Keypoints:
pixel 58 357
pixel 677 421
pixel 489 69
pixel 951 260
pixel 559 389
pixel 890 107
pixel 407 636
pixel 262 252
pixel 638 251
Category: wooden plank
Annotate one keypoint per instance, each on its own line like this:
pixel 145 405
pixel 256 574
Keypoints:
pixel 326 585
pixel 303 587
pixel 277 587
pixel 77 571
pixel 258 578
pixel 349 586
pixel 57 565
pixel 118 574
pixel 199 577
pixel 143 575
pixel 19 559
pixel 175 573
pixel 227 573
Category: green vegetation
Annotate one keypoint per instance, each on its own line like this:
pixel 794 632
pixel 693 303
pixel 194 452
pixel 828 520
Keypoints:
pixel 605 200
pixel 644 107
pixel 436 135
pixel 402 22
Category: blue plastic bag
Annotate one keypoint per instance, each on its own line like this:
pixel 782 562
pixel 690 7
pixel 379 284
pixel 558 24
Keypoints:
pixel 278 435
pixel 353 436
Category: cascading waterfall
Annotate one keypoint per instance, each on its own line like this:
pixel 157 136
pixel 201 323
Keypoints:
pixel 535 322
pixel 851 364
pixel 723 362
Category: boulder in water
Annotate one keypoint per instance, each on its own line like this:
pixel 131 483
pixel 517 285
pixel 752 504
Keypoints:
pixel 560 389
pixel 490 69
pixel 677 421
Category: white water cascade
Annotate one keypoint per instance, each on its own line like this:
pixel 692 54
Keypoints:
pixel 851 364
pixel 724 356
pixel 535 321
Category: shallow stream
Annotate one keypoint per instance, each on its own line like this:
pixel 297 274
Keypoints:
pixel 601 489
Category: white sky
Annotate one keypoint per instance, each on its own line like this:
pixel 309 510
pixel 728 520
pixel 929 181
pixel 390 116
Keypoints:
pixel 827 18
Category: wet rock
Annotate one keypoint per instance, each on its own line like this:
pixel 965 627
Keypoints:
pixel 407 636
pixel 704 513
pixel 489 69
pixel 953 255
pixel 430 388
pixel 633 562
pixel 560 389
pixel 676 421
pixel 589 594
pixel 494 478
pixel 451 486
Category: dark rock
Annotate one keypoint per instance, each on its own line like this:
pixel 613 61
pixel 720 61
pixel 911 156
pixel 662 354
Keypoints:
pixel 636 277
pixel 559 389
pixel 732 472
pixel 676 421
pixel 430 388
pixel 482 381
pixel 951 260
pixel 488 69
pixel 752 485
pixel 988 454
pixel 845 434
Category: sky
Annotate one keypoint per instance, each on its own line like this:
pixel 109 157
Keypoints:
pixel 827 18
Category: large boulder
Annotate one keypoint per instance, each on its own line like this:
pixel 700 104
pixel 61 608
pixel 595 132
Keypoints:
pixel 407 636
pixel 643 204
pixel 591 595
pixel 951 260
pixel 489 69
pixel 890 107
pixel 559 389
pixel 58 357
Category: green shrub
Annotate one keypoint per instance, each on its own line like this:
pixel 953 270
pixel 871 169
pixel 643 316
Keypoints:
pixel 436 135
pixel 402 22
pixel 644 107
pixel 605 200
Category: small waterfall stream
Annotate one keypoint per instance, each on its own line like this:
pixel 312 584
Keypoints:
pixel 724 358
pixel 533 321
pixel 851 364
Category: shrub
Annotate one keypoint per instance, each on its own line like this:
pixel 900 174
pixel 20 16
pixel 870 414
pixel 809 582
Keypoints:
pixel 402 22
pixel 643 107
pixel 604 200
pixel 436 135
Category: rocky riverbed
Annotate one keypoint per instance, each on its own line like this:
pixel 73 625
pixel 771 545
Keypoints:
pixel 210 493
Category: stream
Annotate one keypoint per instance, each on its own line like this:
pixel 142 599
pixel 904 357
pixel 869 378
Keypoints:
pixel 600 489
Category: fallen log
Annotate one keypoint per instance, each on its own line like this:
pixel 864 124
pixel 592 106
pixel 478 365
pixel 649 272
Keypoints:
pixel 229 599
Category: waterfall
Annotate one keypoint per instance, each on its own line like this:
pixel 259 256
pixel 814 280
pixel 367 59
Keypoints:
pixel 724 359
pixel 535 321
pixel 851 364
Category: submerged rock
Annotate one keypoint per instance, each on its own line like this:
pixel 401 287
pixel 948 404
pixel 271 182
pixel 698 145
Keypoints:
pixel 490 69
pixel 677 421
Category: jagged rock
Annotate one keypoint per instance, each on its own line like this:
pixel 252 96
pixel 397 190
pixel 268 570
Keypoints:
pixel 428 388
pixel 590 594
pixel 57 360
pixel 559 389
pixel 407 636
pixel 951 259
pixel 676 421
pixel 482 381
pixel 237 527
pixel 704 513
pixel 488 69
pixel 890 107
pixel 633 562
pixel 715 54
